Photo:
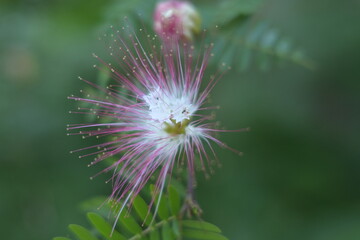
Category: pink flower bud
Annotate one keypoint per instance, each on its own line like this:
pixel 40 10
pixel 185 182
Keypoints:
pixel 176 19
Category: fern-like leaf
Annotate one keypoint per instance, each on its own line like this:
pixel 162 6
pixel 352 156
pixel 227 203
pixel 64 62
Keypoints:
pixel 142 224
pixel 81 232
pixel 257 45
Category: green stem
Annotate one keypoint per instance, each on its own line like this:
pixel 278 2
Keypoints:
pixel 152 228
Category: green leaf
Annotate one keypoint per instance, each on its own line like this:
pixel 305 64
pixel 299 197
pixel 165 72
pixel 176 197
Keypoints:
pixel 129 223
pixel 283 47
pixel 163 210
pixel 154 235
pixel 81 232
pixel 178 186
pixel 93 204
pixel 166 232
pixel 176 229
pixel 243 45
pixel 198 234
pixel 61 238
pixel 174 200
pixel 116 12
pixel 104 227
pixel 169 228
pixel 201 225
pixel 142 209
pixel 228 10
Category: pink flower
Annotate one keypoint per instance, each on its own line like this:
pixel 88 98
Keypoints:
pixel 154 112
pixel 176 19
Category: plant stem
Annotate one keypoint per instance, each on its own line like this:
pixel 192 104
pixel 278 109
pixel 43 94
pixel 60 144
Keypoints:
pixel 190 186
pixel 152 228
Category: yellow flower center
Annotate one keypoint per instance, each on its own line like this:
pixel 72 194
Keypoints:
pixel 176 128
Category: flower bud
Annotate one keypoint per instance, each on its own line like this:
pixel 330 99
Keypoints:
pixel 176 19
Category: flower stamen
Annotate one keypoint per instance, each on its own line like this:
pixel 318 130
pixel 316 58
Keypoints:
pixel 176 128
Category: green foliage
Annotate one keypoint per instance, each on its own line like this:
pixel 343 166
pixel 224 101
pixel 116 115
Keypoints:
pixel 143 224
pixel 256 44
pixel 240 42
pixel 201 225
pixel 228 10
pixel 200 234
pixel 81 232
pixel 103 227
pixel 243 42
pixel 136 13
pixel 174 200
pixel 142 210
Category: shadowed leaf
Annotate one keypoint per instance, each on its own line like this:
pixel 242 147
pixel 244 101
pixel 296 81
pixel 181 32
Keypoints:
pixel 201 225
pixel 166 232
pixel 103 227
pixel 81 232
pixel 198 234
pixel 141 209
pixel 174 200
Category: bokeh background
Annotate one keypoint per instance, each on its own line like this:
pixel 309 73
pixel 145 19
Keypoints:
pixel 300 173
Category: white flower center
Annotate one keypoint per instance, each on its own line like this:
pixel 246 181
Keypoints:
pixel 164 108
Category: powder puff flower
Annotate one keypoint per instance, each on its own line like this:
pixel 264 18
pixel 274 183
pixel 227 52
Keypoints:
pixel 154 112
pixel 176 19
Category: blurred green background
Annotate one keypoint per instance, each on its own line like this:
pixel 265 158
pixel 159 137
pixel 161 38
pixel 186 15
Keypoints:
pixel 300 173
